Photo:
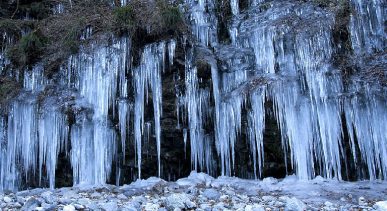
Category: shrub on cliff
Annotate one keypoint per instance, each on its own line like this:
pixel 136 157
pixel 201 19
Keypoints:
pixel 152 17
pixel 28 50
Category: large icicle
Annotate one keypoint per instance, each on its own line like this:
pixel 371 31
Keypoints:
pixel 148 75
pixel 256 126
pixel 93 147
pixel 202 14
pixel 367 25
pixel 197 106
pixel 367 123
pixel 53 131
pixel 97 75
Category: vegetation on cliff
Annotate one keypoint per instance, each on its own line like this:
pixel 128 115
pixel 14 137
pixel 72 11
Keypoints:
pixel 41 32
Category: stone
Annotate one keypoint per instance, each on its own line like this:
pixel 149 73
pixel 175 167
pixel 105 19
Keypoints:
pixel 69 207
pixel 17 205
pixel 64 201
pixel 48 197
pixel 151 207
pixel 83 201
pixel 122 197
pixel 293 204
pixel 31 204
pixel 129 208
pixel 224 198
pixel 96 195
pixel 79 206
pixel 219 206
pixel 7 199
pixel 211 194
pixel 205 206
pixel 20 199
pixel 109 206
pixel 255 207
pixel 380 206
pixel 268 198
pixel 179 200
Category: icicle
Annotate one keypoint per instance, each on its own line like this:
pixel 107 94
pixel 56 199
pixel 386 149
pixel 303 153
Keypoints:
pixel 171 51
pixel 149 75
pixel 93 150
pixel 97 75
pixel 124 110
pixel 256 127
pixel 366 121
pixel 22 144
pixel 367 26
pixel 53 132
pixel 197 105
pixel 235 7
pixel 202 15
pixel 34 79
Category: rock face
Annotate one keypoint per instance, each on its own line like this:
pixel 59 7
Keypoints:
pixel 274 98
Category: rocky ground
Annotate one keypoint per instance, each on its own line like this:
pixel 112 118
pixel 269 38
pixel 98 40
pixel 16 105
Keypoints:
pixel 202 192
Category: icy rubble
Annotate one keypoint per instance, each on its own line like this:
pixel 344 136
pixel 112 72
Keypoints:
pixel 223 193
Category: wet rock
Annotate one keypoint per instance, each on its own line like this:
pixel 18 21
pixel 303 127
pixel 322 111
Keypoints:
pixel 31 204
pixel 211 194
